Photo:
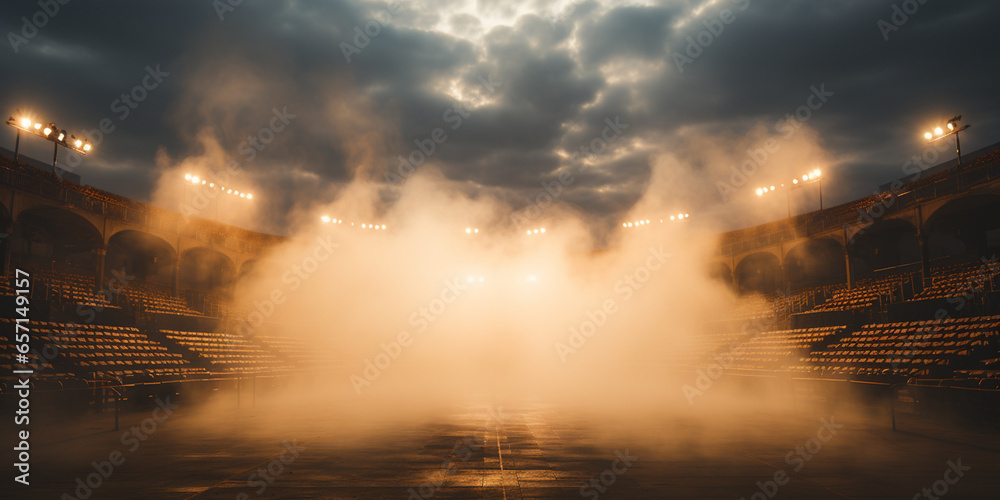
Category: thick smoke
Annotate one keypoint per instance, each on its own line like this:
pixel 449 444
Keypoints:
pixel 421 315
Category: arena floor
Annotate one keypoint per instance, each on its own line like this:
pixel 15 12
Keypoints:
pixel 488 451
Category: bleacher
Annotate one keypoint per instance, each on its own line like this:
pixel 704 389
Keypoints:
pixel 868 293
pixel 298 352
pixel 7 286
pixel 960 279
pixel 756 306
pixel 780 349
pixel 101 350
pixel 151 298
pixel 73 288
pixel 226 352
pixel 925 349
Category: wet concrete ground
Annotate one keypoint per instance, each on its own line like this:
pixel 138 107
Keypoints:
pixel 490 452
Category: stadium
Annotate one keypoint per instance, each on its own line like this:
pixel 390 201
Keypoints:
pixel 214 294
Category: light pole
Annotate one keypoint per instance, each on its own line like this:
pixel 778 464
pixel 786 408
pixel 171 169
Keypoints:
pixel 814 176
pixel 954 126
pixel 820 191
pixel 50 132
pixel 211 187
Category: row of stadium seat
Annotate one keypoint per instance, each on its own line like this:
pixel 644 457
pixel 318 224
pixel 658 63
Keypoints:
pixel 960 279
pixel 98 350
pixel 226 352
pixel 908 349
pixel 153 298
pixel 75 288
pixel 866 294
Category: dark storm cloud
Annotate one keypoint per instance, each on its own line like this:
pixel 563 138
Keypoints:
pixel 631 31
pixel 563 71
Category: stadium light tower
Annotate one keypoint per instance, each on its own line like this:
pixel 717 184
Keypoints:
pixel 952 128
pixel 212 186
pixel 50 132
pixel 808 178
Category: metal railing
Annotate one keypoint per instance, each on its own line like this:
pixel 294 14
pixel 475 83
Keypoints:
pixel 812 223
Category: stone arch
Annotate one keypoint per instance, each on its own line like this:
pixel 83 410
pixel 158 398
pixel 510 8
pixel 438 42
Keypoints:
pixel 56 237
pixel 815 262
pixel 883 244
pixel 206 269
pixel 967 225
pixel 759 272
pixel 146 256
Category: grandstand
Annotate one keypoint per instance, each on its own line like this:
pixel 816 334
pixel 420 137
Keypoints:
pixel 182 329
pixel 903 313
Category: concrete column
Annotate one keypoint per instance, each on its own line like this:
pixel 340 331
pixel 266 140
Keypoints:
pixel 735 281
pixel 925 267
pixel 102 254
pixel 848 261
pixel 9 243
pixel 175 285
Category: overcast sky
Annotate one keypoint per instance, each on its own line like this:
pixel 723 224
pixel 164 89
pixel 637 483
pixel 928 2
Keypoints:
pixel 515 87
